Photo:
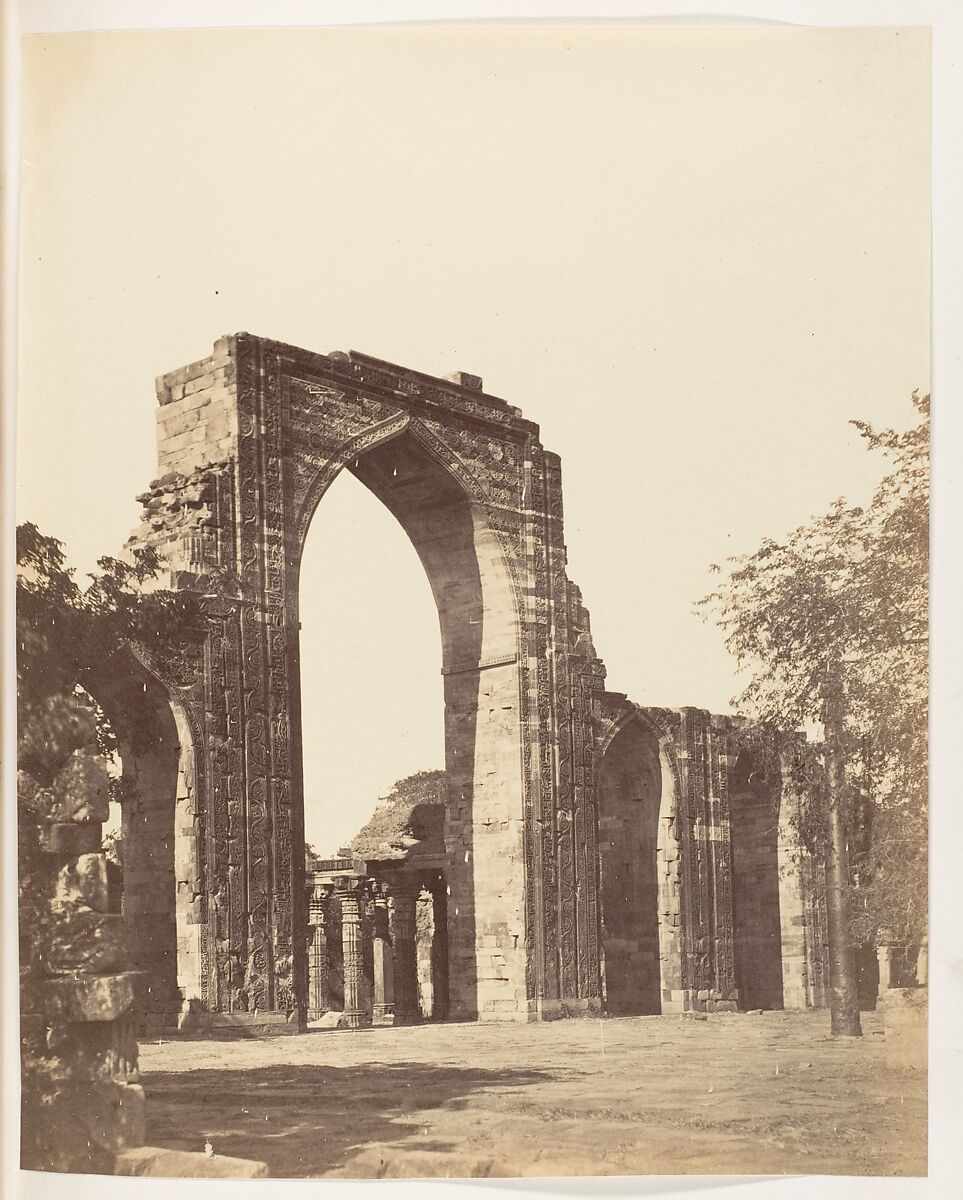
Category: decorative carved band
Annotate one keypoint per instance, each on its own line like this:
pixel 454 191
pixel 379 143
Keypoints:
pixel 497 660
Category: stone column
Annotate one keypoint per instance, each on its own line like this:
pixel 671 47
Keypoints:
pixel 318 952
pixel 355 1016
pixel 383 1005
pixel 404 896
pixel 439 952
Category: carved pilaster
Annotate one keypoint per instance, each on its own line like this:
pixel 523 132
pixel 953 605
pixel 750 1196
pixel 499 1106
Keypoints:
pixel 318 963
pixel 349 895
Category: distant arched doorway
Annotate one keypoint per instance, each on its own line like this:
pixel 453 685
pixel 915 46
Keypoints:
pixel 638 864
pixel 161 834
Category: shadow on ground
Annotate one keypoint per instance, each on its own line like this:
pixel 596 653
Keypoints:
pixel 306 1120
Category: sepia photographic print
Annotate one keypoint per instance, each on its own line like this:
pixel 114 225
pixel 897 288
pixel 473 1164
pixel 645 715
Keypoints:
pixel 472 611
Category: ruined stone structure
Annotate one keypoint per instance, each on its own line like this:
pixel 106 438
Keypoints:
pixel 82 1103
pixel 82 1106
pixel 595 851
pixel 708 900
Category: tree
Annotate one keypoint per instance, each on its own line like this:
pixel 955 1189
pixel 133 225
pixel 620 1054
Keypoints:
pixel 838 612
pixel 65 633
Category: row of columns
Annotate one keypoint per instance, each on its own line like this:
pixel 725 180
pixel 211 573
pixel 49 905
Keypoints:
pixel 391 906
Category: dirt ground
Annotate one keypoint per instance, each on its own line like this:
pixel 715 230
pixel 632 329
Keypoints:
pixel 767 1094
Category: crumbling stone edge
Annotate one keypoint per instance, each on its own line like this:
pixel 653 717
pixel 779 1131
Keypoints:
pixel 186 1164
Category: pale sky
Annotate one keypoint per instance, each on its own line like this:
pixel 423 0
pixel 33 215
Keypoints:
pixel 690 256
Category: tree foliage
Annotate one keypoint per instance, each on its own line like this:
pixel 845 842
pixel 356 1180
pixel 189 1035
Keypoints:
pixel 844 597
pixel 66 632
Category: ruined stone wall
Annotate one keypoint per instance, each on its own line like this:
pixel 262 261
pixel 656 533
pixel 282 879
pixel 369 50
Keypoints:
pixel 741 911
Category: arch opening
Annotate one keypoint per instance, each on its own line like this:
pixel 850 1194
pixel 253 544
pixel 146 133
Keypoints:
pixel 639 873
pixel 159 882
pixel 369 665
pixel 478 623
pixel 756 899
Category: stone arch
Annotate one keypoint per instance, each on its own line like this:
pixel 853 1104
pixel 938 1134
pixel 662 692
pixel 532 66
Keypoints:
pixel 161 810
pixel 249 438
pixel 640 865
pixel 440 507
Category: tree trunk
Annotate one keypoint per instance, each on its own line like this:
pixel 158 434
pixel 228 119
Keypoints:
pixel 844 994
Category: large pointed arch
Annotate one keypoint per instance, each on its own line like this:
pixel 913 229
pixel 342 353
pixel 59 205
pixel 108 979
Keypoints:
pixel 442 509
pixel 249 440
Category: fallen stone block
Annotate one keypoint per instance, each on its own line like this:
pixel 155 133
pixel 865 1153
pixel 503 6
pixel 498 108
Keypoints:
pixel 184 1164
pixel 328 1020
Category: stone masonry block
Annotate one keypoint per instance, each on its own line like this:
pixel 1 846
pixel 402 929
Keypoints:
pixel 70 840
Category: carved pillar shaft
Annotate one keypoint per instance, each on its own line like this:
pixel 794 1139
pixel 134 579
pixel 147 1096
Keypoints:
pixel 403 900
pixel 383 1002
pixel 318 955
pixel 355 1016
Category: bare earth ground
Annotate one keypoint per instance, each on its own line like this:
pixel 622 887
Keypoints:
pixel 769 1094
